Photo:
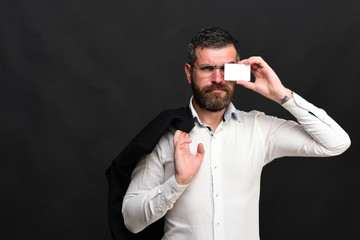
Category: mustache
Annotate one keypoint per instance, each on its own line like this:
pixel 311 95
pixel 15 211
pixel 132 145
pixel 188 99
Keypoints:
pixel 216 87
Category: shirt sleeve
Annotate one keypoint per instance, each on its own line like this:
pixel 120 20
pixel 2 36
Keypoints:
pixel 149 195
pixel 315 134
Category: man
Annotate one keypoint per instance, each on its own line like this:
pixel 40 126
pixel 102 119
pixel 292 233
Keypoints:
pixel 207 182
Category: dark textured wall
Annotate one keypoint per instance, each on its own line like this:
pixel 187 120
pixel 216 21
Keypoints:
pixel 78 79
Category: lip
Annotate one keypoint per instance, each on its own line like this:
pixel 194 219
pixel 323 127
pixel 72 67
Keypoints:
pixel 216 90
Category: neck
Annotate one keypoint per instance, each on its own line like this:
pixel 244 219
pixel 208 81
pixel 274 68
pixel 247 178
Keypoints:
pixel 212 119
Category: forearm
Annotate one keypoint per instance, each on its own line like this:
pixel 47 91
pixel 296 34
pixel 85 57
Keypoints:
pixel 141 208
pixel 322 128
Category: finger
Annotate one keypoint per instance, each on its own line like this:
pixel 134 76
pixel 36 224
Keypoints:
pixel 256 59
pixel 259 61
pixel 246 84
pixel 183 136
pixel 200 151
pixel 244 61
pixel 178 136
pixel 183 139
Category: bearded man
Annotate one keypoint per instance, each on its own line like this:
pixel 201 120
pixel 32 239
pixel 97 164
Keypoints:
pixel 206 182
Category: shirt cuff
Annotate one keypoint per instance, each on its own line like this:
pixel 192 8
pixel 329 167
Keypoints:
pixel 172 190
pixel 300 108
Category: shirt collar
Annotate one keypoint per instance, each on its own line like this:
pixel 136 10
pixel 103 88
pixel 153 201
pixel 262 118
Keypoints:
pixel 229 112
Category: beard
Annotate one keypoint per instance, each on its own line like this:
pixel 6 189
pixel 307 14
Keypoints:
pixel 213 101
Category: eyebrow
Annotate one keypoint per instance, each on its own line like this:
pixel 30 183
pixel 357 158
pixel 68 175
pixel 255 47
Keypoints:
pixel 216 65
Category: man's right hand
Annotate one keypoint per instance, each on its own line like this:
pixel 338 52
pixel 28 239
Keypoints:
pixel 186 164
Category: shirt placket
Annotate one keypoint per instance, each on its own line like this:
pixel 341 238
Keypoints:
pixel 217 196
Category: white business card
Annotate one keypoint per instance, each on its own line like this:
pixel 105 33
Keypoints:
pixel 235 72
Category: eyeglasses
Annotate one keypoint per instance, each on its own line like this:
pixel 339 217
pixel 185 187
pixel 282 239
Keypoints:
pixel 209 70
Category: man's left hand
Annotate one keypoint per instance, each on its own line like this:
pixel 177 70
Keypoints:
pixel 266 83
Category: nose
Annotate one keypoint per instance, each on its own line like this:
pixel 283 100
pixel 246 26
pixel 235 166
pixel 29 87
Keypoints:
pixel 218 77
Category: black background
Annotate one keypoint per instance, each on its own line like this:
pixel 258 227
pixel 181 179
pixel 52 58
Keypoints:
pixel 80 78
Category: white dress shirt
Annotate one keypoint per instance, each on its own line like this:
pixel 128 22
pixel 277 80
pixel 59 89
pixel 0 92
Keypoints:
pixel 222 201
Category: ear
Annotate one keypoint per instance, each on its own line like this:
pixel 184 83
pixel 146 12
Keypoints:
pixel 188 72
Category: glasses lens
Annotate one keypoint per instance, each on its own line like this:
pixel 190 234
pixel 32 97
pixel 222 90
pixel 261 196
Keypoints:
pixel 206 70
pixel 222 68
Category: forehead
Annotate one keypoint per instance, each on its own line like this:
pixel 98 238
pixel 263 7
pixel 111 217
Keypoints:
pixel 216 56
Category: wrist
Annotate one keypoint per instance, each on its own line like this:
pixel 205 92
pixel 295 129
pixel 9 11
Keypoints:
pixel 180 180
pixel 286 96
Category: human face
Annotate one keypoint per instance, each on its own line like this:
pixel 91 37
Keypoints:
pixel 212 93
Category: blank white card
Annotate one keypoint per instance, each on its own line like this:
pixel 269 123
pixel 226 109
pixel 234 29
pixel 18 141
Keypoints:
pixel 235 72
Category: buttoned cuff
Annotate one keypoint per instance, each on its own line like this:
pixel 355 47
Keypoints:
pixel 172 190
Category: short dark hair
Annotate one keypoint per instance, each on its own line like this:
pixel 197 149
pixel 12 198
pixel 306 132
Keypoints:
pixel 211 37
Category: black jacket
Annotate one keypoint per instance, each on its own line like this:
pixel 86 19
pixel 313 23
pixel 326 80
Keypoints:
pixel 119 172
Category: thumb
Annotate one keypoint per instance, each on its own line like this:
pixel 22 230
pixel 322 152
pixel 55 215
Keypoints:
pixel 246 84
pixel 200 151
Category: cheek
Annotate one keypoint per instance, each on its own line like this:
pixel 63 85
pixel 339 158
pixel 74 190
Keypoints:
pixel 230 84
pixel 199 82
pixel 193 78
pixel 232 88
